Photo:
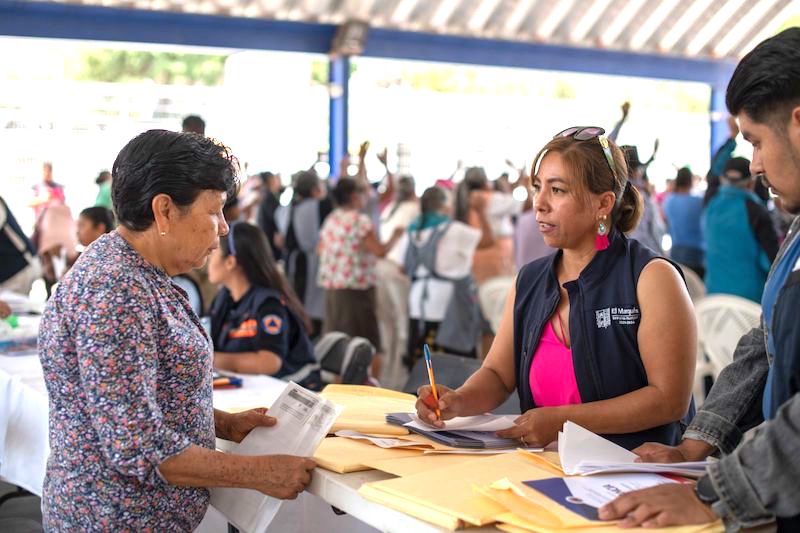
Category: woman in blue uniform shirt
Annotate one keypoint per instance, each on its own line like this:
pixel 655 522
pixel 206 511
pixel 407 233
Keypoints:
pixel 258 325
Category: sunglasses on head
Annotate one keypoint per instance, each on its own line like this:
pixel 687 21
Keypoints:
pixel 585 133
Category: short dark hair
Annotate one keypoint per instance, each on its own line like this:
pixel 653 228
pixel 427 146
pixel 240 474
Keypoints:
pixel 99 215
pixel 194 124
pixel 180 165
pixel 766 82
pixel 343 191
pixel 684 178
pixel 304 183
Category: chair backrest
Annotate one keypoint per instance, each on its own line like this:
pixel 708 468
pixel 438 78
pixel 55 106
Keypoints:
pixel 722 319
pixel 343 359
pixel 492 297
pixel 452 371
pixel 694 283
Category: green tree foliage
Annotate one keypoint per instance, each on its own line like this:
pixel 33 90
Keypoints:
pixel 169 68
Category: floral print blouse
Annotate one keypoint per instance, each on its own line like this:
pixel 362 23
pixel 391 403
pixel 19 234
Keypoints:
pixel 343 261
pixel 128 372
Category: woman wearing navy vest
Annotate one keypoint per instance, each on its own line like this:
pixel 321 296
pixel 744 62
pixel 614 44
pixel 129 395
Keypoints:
pixel 258 325
pixel 601 333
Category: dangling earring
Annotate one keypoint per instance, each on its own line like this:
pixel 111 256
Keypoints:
pixel 601 241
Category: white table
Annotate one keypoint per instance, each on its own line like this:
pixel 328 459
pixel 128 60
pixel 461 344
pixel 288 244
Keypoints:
pixel 24 423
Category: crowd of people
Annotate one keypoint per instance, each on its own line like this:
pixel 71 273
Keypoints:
pixel 598 326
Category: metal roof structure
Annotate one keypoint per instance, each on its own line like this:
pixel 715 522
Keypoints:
pixel 695 29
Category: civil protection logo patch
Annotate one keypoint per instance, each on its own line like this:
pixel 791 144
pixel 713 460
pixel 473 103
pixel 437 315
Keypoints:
pixel 273 324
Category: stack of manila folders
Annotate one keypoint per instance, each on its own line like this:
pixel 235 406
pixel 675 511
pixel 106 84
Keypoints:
pixel 455 488
pixel 516 490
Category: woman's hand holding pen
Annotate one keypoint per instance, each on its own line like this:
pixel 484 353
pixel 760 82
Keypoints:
pixel 449 404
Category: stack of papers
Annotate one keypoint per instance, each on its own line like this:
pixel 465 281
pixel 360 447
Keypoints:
pixel 469 423
pixel 570 504
pixel 365 408
pixel 446 496
pixel 584 453
pixel 459 433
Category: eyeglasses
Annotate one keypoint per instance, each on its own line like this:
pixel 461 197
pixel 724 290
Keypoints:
pixel 585 133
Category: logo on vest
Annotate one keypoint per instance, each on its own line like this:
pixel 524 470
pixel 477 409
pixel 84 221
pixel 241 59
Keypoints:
pixel 623 316
pixel 603 317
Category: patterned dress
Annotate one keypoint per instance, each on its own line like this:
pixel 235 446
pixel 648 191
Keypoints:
pixel 343 263
pixel 128 372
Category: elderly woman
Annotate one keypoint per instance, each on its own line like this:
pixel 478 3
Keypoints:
pixel 601 333
pixel 128 365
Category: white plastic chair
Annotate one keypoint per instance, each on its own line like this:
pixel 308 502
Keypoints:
pixel 722 320
pixel 492 297
pixel 694 283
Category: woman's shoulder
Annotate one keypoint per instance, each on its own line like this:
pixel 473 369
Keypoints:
pixel 109 265
pixel 660 270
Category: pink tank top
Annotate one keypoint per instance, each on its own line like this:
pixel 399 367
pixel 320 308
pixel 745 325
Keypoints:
pixel 552 376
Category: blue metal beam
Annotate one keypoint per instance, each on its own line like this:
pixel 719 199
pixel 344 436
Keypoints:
pixel 338 79
pixel 24 18
pixel 74 21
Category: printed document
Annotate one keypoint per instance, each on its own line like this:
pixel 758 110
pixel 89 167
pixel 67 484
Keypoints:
pixel 304 419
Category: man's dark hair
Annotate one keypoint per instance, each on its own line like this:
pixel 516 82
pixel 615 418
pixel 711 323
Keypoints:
pixel 304 183
pixel 766 83
pixel 103 177
pixel 344 190
pixel 99 215
pixel 180 165
pixel 684 178
pixel 194 124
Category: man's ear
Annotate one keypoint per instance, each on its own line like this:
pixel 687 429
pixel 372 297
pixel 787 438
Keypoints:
pixel 793 128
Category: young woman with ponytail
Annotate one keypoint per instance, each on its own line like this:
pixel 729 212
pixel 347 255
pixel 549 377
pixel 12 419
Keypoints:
pixel 258 325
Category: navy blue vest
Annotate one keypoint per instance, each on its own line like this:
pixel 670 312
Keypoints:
pixel 603 323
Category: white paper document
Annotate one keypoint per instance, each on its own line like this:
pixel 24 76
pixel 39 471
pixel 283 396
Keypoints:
pixel 383 442
pixel 304 419
pixel 600 490
pixel 467 423
pixel 581 452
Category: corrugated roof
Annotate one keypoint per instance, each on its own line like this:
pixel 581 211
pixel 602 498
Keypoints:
pixel 686 28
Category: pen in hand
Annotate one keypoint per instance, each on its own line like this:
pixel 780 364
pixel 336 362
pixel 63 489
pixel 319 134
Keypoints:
pixel 432 380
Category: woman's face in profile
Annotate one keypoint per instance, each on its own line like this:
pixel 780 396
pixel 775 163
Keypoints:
pixel 197 231
pixel 563 217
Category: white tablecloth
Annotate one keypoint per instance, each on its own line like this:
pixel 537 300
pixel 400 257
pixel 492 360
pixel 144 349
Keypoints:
pixel 24 449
